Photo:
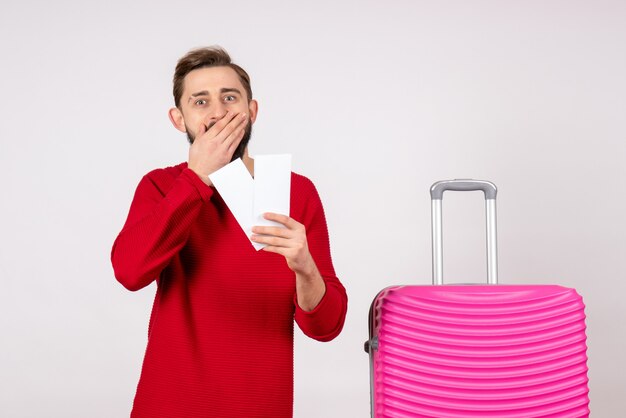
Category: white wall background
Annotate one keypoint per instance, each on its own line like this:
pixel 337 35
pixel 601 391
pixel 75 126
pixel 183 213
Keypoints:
pixel 376 101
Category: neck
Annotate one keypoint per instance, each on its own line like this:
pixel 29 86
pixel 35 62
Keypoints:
pixel 248 162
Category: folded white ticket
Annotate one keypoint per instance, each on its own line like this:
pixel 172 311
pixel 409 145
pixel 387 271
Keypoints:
pixel 272 186
pixel 249 198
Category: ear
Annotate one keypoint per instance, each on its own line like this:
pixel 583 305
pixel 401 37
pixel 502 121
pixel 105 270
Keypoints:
pixel 253 109
pixel 177 119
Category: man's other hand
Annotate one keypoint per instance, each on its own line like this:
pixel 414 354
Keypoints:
pixel 291 243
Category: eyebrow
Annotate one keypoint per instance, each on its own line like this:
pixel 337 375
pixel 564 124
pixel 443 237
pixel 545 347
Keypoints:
pixel 230 90
pixel 200 93
pixel 222 90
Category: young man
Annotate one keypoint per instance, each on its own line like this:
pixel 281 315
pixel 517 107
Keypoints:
pixel 220 339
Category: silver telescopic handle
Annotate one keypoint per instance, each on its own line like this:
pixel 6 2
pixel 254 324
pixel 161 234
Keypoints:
pixel 436 194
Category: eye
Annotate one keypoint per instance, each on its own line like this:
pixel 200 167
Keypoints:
pixel 200 102
pixel 230 98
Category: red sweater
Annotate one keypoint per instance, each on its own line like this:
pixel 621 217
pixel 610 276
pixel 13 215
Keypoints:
pixel 220 340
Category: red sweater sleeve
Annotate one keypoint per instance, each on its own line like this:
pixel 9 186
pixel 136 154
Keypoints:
pixel 165 205
pixel 325 321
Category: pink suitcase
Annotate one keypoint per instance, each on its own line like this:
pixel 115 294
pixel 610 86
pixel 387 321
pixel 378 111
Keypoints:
pixel 490 350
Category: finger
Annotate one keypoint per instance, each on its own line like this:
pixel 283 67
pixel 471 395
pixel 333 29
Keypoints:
pixel 239 121
pixel 275 231
pixel 232 141
pixel 219 125
pixel 231 147
pixel 290 223
pixel 271 240
pixel 201 130
pixel 235 130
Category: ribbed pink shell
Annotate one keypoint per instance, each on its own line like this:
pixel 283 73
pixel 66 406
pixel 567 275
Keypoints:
pixel 480 351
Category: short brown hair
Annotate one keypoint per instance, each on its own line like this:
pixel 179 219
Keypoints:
pixel 212 56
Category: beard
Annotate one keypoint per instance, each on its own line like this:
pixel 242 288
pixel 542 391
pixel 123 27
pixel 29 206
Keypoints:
pixel 242 144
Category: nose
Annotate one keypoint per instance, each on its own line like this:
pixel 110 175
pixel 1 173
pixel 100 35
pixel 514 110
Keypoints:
pixel 216 111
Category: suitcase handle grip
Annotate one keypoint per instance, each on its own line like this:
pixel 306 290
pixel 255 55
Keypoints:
pixel 437 189
pixel 436 194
